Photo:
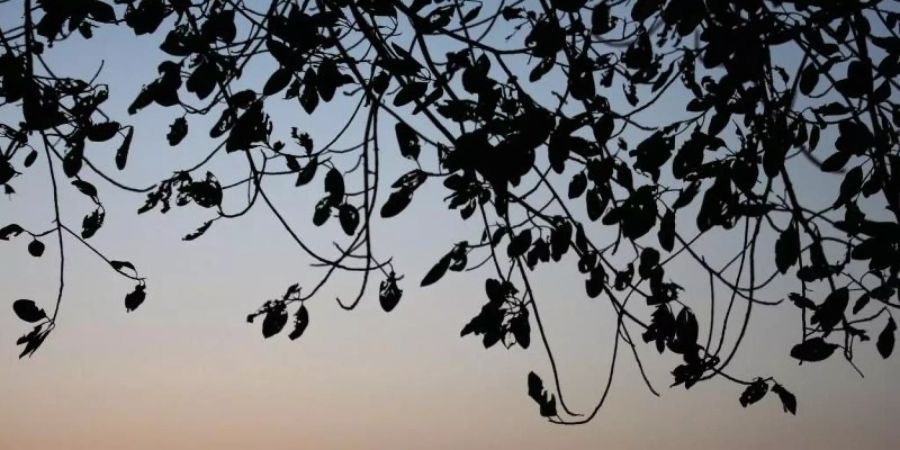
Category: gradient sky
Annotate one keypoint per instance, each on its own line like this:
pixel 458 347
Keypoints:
pixel 185 371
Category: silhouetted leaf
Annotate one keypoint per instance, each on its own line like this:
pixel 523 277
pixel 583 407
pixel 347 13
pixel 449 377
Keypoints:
pixel 92 222
pixel 177 131
pixel 519 244
pixel 577 185
pixel 309 98
pixel 33 340
pixel 788 401
pixel 7 172
pixel 301 321
pixel 885 342
pixel 10 230
pixel 199 232
pixel 410 92
pixel 835 162
pixel 85 188
pixel 787 248
pixel 407 140
pixel 850 186
pixel 275 320
pixel 204 79
pixel 545 400
pixel 36 248
pixel 813 350
pixel 122 152
pixel 100 11
pixel 277 81
pixel 666 233
pixel 831 311
pixel 600 22
pixel 802 302
pixel 754 392
pixel 687 195
pixel 520 328
pixel 221 25
pixel 861 303
pixel 437 271
pixel 135 298
pixel 349 218
pixel 73 160
pixel 396 203
pixel 308 172
pixel 809 77
pixel 119 265
pixel 104 131
pixel 28 311
pixel 29 160
pixel 471 14
pixel 322 211
pixel 389 293
pixel 334 185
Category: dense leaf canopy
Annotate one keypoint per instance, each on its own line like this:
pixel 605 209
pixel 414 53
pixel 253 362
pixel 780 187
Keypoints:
pixel 609 136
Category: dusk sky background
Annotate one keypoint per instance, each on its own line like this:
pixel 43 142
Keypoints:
pixel 185 371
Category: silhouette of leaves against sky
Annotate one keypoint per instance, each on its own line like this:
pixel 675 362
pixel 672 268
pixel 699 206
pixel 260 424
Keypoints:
pixel 608 137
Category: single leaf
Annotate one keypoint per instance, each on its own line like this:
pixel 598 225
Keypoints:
pixel 389 293
pixel 301 321
pixel 809 77
pixel 73 160
pixel 410 92
pixel 91 223
pixel 396 203
pixel 101 132
pixel 666 233
pixel 349 218
pixel 643 9
pixel 835 162
pixel 177 131
pixel 437 271
pixel 308 172
pixel 801 301
pixel 408 140
pixel 36 248
pixel 754 393
pixel 519 244
pixel 850 186
pixel 29 160
pixel 122 152
pixel 277 81
pixel 334 185
pixel 322 212
pixel 275 320
pixel 886 338
pixel 28 311
pixel 134 298
pixel 831 311
pixel 813 350
pixel 787 248
pixel 788 401
pixel 10 230
pixel 100 11
pixel 521 329
pixel 578 185
pixel 545 400
pixel 198 232
pixel 85 188
pixel 119 265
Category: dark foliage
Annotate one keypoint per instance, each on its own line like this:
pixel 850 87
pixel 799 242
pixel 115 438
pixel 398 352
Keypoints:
pixel 775 97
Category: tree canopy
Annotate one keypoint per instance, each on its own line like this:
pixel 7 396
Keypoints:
pixel 608 136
